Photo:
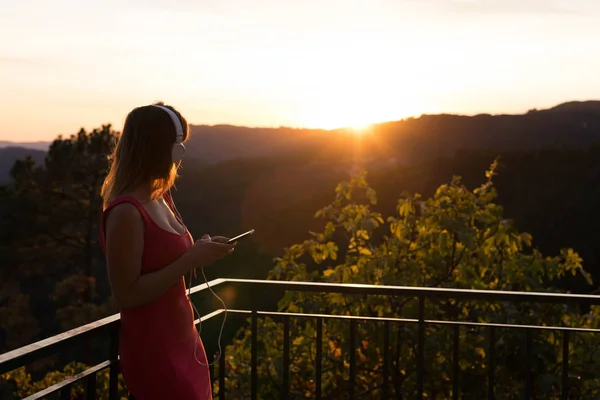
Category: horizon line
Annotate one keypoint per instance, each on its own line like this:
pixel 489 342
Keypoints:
pixel 415 116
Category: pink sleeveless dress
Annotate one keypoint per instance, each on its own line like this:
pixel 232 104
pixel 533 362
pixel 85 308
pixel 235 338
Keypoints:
pixel 157 339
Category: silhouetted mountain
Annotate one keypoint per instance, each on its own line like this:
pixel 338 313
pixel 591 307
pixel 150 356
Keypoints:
pixel 9 155
pixel 578 107
pixel 43 146
pixel 573 124
pixel 225 142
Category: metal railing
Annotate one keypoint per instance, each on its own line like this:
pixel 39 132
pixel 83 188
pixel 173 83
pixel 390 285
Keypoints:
pixel 109 328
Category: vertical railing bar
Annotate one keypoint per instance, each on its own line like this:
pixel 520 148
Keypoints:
pixel 286 357
pixel 421 349
pixel 319 358
pixel 211 373
pixel 491 365
pixel 113 383
pixel 222 375
pixel 352 350
pixel 455 360
pixel 65 393
pixel 565 366
pixel 90 387
pixel 386 359
pixel 254 356
pixel 528 356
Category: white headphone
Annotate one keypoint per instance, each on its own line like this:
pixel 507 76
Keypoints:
pixel 177 153
pixel 178 150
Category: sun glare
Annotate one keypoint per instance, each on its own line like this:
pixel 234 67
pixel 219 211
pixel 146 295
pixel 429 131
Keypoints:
pixel 359 107
pixel 338 92
pixel 360 129
pixel 358 116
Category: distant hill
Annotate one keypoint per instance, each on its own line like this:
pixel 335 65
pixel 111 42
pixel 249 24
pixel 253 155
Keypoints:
pixel 226 142
pixel 578 107
pixel 43 146
pixel 572 124
pixel 9 155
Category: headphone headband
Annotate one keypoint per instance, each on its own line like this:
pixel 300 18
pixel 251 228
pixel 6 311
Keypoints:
pixel 176 122
pixel 178 150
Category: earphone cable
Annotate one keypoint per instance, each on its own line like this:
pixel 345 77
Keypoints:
pixel 196 313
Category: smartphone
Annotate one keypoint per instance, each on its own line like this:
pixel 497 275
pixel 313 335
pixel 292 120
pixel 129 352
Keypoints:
pixel 243 235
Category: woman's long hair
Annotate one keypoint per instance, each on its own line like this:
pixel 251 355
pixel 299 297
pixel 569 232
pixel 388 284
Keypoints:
pixel 143 153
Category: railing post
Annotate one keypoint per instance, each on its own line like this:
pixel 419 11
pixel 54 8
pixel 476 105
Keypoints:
pixel 319 357
pixel 386 360
pixel 528 356
pixel 113 384
pixel 286 357
pixel 455 360
pixel 421 349
pixel 254 352
pixel 65 393
pixel 90 387
pixel 222 375
pixel 491 366
pixel 565 366
pixel 352 349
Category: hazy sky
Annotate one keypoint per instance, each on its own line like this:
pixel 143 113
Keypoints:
pixel 67 64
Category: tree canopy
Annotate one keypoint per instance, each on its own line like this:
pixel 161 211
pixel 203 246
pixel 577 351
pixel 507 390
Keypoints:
pixel 457 238
pixel 49 228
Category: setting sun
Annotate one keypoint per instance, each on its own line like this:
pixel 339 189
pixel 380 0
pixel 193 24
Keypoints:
pixel 357 107
pixel 360 129
pixel 344 95
pixel 358 112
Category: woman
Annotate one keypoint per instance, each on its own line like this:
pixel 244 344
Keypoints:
pixel 149 252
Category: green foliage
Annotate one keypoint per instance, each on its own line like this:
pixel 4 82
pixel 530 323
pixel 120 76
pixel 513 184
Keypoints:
pixel 457 238
pixel 23 385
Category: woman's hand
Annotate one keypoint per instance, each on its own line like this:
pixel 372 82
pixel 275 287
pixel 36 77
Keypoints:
pixel 219 239
pixel 208 250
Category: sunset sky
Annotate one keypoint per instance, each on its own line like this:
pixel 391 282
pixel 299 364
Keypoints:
pixel 68 64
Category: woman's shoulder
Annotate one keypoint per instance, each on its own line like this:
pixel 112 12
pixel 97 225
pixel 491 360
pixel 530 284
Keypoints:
pixel 122 218
pixel 124 198
pixel 125 205
pixel 123 209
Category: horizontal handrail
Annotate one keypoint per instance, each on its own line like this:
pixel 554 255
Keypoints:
pixel 413 291
pixel 69 381
pixel 45 347
pixel 408 320
pixel 15 358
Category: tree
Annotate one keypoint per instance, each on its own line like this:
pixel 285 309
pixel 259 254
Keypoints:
pixel 17 325
pixel 50 220
pixel 457 238
pixel 76 168
pixel 51 254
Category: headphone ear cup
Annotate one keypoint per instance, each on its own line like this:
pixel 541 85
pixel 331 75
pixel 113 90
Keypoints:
pixel 177 152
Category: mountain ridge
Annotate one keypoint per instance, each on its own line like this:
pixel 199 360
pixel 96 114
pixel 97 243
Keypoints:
pixel 409 140
pixel 9 155
pixel 575 106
